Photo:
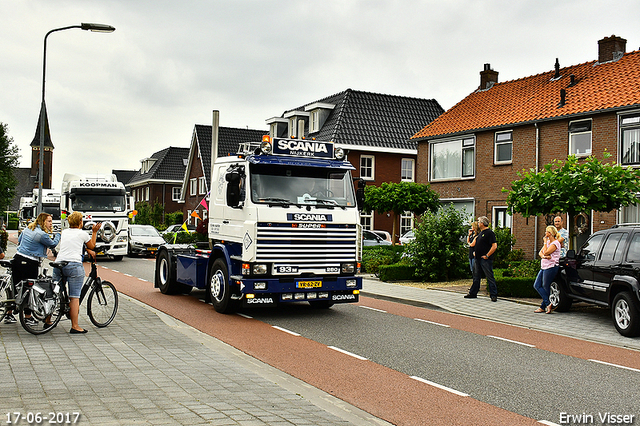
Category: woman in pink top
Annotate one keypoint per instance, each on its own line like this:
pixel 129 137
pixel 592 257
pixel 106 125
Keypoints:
pixel 550 255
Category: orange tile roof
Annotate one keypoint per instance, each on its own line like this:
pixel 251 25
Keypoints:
pixel 598 87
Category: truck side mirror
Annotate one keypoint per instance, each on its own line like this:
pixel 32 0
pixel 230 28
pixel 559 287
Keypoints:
pixel 360 194
pixel 234 180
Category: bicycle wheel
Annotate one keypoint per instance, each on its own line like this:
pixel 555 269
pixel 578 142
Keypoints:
pixel 102 305
pixel 35 325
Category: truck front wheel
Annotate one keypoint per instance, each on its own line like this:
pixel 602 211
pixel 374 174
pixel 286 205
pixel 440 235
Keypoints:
pixel 219 289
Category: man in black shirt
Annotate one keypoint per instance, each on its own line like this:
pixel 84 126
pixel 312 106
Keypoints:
pixel 485 248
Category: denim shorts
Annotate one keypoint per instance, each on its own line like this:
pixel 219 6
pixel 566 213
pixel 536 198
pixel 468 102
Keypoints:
pixel 73 276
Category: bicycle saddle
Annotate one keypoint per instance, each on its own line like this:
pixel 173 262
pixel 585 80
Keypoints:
pixel 59 265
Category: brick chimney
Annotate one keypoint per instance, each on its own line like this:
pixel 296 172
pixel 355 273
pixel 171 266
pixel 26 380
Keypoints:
pixel 488 77
pixel 610 48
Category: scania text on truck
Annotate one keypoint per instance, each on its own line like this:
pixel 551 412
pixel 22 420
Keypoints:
pixel 100 198
pixel 283 227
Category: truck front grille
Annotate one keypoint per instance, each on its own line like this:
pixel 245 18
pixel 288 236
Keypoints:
pixel 310 248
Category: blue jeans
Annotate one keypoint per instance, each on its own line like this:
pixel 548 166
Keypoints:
pixel 483 265
pixel 543 284
pixel 471 262
pixel 74 277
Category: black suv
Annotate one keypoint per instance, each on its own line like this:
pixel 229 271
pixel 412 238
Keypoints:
pixel 605 271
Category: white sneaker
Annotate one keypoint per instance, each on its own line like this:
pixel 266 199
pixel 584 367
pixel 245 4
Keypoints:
pixel 31 321
pixel 10 319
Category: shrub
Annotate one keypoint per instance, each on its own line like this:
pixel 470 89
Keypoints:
pixel 175 218
pixel 438 252
pixel 4 237
pixel 524 268
pixel 374 257
pixel 397 272
pixel 505 241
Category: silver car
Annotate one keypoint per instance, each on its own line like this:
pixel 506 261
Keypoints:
pixel 144 239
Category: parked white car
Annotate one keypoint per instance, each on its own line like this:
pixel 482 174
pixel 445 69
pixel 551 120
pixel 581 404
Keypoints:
pixel 372 239
pixel 408 236
pixel 144 240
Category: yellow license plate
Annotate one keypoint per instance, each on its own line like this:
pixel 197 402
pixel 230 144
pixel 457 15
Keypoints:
pixel 152 248
pixel 309 284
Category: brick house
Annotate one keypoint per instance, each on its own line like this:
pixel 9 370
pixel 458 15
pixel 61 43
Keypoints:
pixel 374 129
pixel 477 147
pixel 195 185
pixel 160 179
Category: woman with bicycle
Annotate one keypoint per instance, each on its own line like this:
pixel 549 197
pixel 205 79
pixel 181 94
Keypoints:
pixel 71 249
pixel 33 243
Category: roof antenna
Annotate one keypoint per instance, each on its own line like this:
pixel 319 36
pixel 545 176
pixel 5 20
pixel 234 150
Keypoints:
pixel 557 67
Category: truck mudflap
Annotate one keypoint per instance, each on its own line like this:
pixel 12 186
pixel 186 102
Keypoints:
pixel 273 299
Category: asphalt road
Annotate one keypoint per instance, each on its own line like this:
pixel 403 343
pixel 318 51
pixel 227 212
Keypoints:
pixel 520 377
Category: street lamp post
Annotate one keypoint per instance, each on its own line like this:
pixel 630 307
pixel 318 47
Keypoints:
pixel 84 26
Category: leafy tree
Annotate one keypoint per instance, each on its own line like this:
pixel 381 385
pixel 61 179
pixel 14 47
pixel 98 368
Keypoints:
pixel 574 187
pixel 400 197
pixel 439 252
pixel 8 161
pixel 147 214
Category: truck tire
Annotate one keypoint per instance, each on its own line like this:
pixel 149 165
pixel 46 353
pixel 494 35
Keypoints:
pixel 219 289
pixel 626 314
pixel 558 296
pixel 165 273
pixel 321 304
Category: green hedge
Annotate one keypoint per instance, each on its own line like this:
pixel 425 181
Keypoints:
pixel 397 272
pixel 375 256
pixel 514 286
pixel 4 237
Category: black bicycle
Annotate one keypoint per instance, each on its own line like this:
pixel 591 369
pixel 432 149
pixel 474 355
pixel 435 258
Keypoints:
pixel 41 303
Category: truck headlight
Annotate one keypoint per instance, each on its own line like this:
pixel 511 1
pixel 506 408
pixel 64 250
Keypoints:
pixel 348 268
pixel 122 239
pixel 352 283
pixel 254 269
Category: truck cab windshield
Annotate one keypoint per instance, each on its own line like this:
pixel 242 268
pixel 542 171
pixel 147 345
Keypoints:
pixel 271 184
pixel 99 202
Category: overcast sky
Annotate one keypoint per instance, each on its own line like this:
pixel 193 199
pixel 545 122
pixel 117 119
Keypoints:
pixel 114 99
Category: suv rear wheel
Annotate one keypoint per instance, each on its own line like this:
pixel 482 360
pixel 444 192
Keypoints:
pixel 558 296
pixel 626 315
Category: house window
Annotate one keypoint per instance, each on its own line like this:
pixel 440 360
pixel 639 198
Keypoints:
pixel 367 165
pixel 452 159
pixel 202 187
pixel 292 127
pixel 193 186
pixel 366 220
pixel 314 121
pixel 406 223
pixel 630 213
pixel 463 205
pixel 501 217
pixel 503 147
pixel 176 192
pixel 580 138
pixel 146 193
pixel 630 139
pixel 408 168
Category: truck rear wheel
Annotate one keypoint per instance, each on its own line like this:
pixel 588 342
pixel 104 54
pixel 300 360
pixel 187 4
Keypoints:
pixel 219 289
pixel 165 273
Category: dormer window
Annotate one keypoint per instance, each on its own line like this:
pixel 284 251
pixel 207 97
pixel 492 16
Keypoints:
pixel 319 112
pixel 297 123
pixel 147 163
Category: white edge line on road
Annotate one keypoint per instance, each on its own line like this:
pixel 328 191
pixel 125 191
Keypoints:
pixel 285 330
pixel 244 315
pixel 431 322
pixel 347 353
pixel 548 423
pixel 114 270
pixel 372 309
pixel 615 365
pixel 127 275
pixel 512 341
pixel 420 379
pixel 145 281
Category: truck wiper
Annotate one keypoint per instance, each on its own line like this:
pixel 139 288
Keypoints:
pixel 274 201
pixel 328 202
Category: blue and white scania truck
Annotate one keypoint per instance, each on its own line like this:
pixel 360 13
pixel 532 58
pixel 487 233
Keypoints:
pixel 283 227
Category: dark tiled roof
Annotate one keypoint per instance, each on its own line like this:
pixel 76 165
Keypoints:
pixel 598 87
pixel 375 120
pixel 229 139
pixel 124 176
pixel 25 185
pixel 170 165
